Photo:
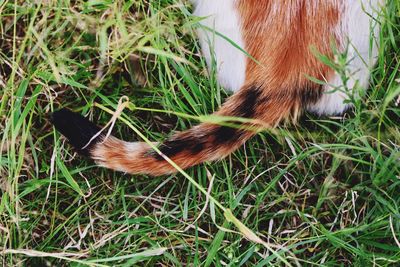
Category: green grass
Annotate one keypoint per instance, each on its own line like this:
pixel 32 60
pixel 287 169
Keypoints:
pixel 324 192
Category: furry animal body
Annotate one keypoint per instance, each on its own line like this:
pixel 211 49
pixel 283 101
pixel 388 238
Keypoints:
pixel 270 80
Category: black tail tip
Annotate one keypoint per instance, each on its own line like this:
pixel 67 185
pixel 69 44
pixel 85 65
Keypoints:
pixel 77 129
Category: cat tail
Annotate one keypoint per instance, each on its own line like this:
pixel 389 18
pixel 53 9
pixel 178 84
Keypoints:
pixel 204 142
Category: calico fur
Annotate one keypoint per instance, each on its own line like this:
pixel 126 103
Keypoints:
pixel 282 38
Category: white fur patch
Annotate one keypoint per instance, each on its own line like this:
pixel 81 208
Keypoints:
pixel 362 55
pixel 222 17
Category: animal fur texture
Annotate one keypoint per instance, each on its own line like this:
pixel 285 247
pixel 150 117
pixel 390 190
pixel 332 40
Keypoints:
pixel 270 80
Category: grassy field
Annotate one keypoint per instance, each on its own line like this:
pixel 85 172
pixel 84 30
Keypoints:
pixel 324 192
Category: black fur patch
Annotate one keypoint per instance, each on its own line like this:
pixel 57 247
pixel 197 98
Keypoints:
pixel 310 95
pixel 175 146
pixel 226 135
pixel 77 129
pixel 248 103
pixel 247 108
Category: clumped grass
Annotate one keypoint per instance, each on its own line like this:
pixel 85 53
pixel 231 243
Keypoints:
pixel 324 192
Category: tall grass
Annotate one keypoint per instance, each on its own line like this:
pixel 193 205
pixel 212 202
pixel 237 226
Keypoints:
pixel 322 192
